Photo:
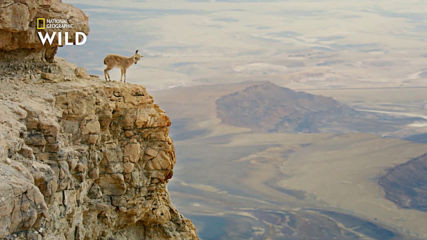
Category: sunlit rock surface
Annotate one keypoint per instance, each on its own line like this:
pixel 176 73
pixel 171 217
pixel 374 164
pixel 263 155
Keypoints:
pixel 18 28
pixel 83 159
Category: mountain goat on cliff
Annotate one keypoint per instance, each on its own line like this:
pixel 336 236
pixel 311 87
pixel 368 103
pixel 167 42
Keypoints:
pixel 121 62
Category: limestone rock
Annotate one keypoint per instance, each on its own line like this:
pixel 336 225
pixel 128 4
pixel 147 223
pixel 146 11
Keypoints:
pixel 48 76
pixel 151 153
pixel 80 72
pixel 132 152
pixel 128 167
pixel 21 202
pixel 112 184
pixel 90 125
pixel 44 178
pixel 18 27
pixel 83 165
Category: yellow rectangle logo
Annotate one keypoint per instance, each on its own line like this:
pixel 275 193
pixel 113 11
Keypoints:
pixel 41 23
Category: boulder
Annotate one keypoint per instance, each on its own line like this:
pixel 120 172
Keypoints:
pixel 18 27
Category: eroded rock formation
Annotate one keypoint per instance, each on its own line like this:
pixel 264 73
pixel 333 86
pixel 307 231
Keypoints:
pixel 18 28
pixel 83 159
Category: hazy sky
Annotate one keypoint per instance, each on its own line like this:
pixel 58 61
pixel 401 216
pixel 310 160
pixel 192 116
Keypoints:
pixel 299 44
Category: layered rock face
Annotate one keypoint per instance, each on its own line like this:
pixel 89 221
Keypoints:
pixel 85 159
pixel 18 28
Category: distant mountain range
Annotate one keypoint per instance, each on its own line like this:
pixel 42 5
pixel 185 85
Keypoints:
pixel 267 107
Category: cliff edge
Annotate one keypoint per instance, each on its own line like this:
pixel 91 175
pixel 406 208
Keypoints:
pixel 79 158
pixel 84 159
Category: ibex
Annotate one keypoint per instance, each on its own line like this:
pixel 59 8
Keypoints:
pixel 121 62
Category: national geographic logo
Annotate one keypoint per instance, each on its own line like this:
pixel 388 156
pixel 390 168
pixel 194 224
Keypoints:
pixel 41 23
pixel 58 24
pixel 53 23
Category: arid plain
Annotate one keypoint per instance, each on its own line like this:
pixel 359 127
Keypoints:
pixel 234 173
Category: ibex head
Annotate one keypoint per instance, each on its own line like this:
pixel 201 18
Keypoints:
pixel 137 56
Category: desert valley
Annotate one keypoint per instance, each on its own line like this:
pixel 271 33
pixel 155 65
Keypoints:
pixel 261 184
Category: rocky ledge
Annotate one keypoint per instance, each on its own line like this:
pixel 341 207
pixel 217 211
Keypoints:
pixel 84 159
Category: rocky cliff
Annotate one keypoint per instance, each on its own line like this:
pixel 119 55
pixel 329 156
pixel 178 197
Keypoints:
pixel 83 159
pixel 79 158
